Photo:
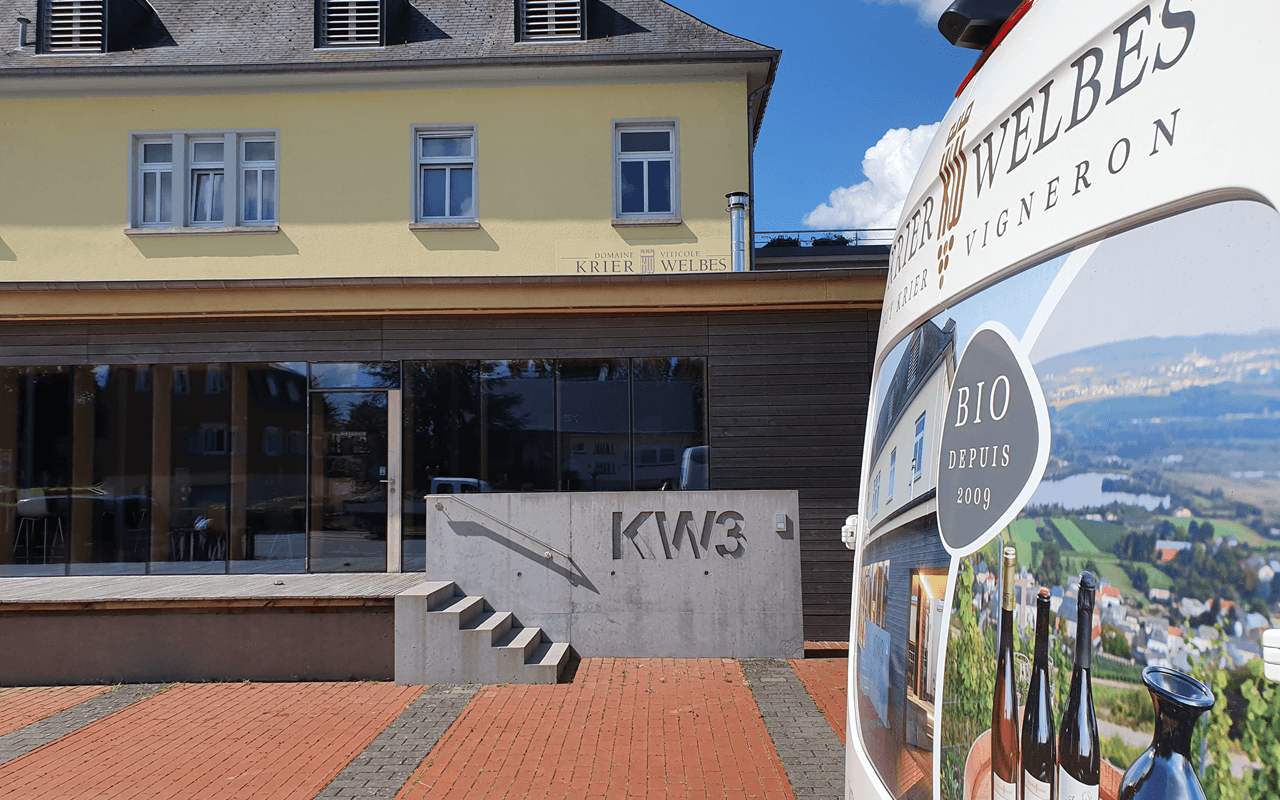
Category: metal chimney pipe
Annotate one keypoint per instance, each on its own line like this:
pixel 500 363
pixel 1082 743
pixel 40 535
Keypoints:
pixel 738 229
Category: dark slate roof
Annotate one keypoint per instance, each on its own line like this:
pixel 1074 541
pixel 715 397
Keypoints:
pixel 216 35
pixel 923 356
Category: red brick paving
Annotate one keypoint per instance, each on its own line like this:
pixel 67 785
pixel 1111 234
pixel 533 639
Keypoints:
pixel 825 679
pixel 22 706
pixel 624 728
pixel 277 740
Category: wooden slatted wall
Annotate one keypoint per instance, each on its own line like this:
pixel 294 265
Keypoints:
pixel 787 391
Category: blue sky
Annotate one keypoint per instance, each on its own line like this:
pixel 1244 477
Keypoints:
pixel 852 70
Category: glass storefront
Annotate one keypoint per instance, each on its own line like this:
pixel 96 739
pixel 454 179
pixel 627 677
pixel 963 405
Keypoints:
pixel 285 467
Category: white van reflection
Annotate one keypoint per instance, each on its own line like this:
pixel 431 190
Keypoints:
pixel 693 467
pixel 459 486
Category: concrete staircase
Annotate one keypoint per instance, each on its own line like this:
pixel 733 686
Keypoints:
pixel 445 636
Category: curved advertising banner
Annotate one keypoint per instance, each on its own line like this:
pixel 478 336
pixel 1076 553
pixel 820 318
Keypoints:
pixel 1069 548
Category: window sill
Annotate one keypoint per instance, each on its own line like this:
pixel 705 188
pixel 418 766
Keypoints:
pixel 444 226
pixel 203 231
pixel 645 222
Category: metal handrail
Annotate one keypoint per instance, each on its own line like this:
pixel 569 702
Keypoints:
pixel 566 556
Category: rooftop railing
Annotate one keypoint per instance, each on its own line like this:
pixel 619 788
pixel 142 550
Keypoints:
pixel 846 237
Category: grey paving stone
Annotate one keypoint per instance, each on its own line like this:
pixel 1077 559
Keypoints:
pixel 387 763
pixel 811 752
pixel 22 741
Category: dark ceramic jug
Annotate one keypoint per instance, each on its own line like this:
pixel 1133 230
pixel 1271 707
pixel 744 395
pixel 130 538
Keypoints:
pixel 1164 771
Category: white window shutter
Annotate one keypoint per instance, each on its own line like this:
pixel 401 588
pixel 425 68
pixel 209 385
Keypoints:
pixel 351 23
pixel 551 20
pixel 72 26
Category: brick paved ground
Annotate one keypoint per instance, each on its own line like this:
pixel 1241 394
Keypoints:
pixel 24 705
pixel 825 678
pixel 285 740
pixel 810 750
pixel 672 728
pixel 621 728
pixel 28 738
pixel 384 766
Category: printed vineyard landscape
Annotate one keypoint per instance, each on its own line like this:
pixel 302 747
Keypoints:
pixel 1163 481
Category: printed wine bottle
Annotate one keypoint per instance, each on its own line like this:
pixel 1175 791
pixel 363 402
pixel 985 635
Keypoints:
pixel 1078 746
pixel 1039 747
pixel 1004 709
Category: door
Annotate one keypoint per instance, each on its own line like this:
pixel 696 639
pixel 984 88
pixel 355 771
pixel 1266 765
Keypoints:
pixel 354 508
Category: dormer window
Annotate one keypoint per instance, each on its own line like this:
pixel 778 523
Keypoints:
pixel 73 26
pixel 552 20
pixel 351 23
pixel 80 27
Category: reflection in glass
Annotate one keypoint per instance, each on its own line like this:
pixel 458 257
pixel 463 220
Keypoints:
pixel 632 187
pixel 669 402
pixel 35 459
pixel 348 495
pixel 357 375
pixel 190 529
pixel 460 204
pixel 518 425
pixel 269 470
pixel 595 446
pixel 660 186
pixel 111 512
pixel 442 443
pixel 433 192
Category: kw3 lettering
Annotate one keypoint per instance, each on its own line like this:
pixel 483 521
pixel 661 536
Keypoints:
pixel 684 534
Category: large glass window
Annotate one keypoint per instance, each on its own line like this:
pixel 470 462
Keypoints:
pixel 191 470
pixel 269 467
pixel 111 513
pixel 518 425
pixel 595 426
pixel 35 460
pixel 668 420
pixel 446 176
pixel 442 443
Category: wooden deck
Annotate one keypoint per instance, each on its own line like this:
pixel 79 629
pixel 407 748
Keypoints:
pixel 101 593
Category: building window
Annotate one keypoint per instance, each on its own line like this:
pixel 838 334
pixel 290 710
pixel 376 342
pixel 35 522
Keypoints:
pixel 206 182
pixel 646 169
pixel 551 20
pixel 202 196
pixel 213 379
pixel 258 181
pixel 73 26
pixel 917 452
pixel 875 496
pixel 446 174
pixel 893 473
pixel 213 439
pixel 350 23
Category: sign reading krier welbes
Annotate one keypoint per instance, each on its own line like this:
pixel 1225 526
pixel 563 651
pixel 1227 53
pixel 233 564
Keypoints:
pixel 994 440
pixel 614 258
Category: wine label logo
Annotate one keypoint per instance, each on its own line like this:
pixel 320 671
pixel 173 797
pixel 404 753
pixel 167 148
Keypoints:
pixel 953 170
pixel 995 440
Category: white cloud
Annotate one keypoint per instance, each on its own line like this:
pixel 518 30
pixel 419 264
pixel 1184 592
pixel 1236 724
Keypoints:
pixel 890 167
pixel 927 11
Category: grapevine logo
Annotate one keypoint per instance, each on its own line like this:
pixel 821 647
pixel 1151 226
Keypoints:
pixel 953 171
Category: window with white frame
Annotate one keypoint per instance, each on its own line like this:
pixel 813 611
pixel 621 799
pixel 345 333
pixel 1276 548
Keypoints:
pixel 204 179
pixel 875 496
pixel 893 473
pixel 258 181
pixel 645 169
pixel 207 174
pixel 445 183
pixel 917 452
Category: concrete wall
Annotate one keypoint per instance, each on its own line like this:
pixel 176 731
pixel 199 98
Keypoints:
pixel 682 574
pixel 140 646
